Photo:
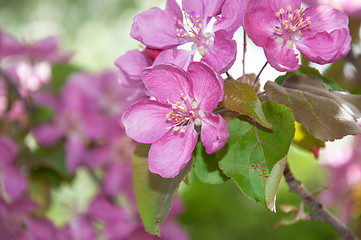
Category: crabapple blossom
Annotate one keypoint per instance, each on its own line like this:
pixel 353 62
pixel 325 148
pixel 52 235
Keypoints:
pixel 183 101
pixel 167 29
pixel 320 33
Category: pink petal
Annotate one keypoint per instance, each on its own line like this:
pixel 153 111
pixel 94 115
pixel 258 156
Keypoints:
pixel 172 152
pixel 8 150
pixel 325 47
pixel 207 86
pixel 214 132
pixel 41 229
pixel 179 57
pixel 259 21
pixel 171 230
pixel 174 7
pixel 118 179
pixel 232 16
pixel 47 134
pixel 81 228
pixel 206 9
pixel 325 19
pixel 75 152
pixel 117 222
pixel 276 5
pixel 281 56
pixel 14 182
pixel 156 28
pixel 167 81
pixel 9 45
pixel 145 121
pixel 131 65
pixel 221 54
pixel 47 50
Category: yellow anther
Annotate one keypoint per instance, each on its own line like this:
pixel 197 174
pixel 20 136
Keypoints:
pixel 183 130
pixel 308 23
pixel 290 16
pixel 289 8
pixel 278 14
pixel 282 11
pixel 176 128
pixel 168 101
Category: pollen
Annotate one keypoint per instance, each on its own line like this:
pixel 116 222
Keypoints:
pixel 292 24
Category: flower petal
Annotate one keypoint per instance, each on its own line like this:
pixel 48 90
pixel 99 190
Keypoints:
pixel 75 151
pixel 47 134
pixel 170 154
pixel 166 81
pixel 145 121
pixel 14 182
pixel 325 47
pixel 281 56
pixel 8 150
pixel 325 19
pixel 259 21
pixel 179 57
pixel 207 86
pixel 206 9
pixel 131 65
pixel 276 5
pixel 232 16
pixel 156 28
pixel 174 7
pixel 214 132
pixel 221 54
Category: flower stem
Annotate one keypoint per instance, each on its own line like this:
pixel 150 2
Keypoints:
pixel 259 74
pixel 320 213
pixel 244 56
pixel 14 88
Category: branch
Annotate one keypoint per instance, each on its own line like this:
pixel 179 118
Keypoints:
pixel 13 86
pixel 320 213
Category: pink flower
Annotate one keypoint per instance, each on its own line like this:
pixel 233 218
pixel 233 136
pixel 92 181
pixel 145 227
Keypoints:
pixel 166 29
pixel 320 33
pixel 183 101
pixel 350 7
pixel 12 182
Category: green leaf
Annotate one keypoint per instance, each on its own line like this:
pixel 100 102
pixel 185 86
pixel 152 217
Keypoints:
pixel 240 97
pixel 154 194
pixel 305 140
pixel 206 166
pixel 326 114
pixel 312 71
pixel 60 74
pixel 43 114
pixel 252 153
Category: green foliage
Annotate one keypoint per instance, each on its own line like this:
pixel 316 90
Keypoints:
pixel 312 71
pixel 326 114
pixel 241 98
pixel 60 73
pixel 206 166
pixel 154 194
pixel 252 152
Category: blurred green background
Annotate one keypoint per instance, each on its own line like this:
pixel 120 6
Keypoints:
pixel 98 32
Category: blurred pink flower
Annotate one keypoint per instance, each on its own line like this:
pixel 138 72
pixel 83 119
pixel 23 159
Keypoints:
pixel 12 182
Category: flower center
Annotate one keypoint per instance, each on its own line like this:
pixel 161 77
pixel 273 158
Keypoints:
pixel 190 27
pixel 292 23
pixel 182 114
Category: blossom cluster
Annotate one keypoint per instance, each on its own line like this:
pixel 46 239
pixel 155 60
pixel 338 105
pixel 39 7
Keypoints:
pixel 187 47
pixel 85 125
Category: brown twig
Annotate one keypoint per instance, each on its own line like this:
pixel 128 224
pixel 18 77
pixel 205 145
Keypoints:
pixel 14 88
pixel 244 56
pixel 320 213
pixel 259 74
